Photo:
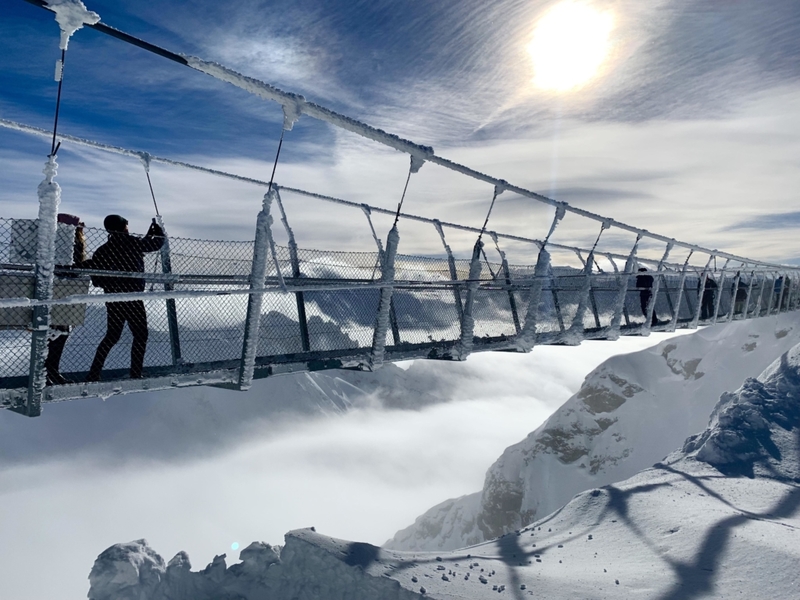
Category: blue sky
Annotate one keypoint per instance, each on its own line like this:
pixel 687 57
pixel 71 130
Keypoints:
pixel 694 115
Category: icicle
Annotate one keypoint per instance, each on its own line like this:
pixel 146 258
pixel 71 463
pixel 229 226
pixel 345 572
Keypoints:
pixel 292 112
pixel 416 163
pixel 49 198
pixel 71 15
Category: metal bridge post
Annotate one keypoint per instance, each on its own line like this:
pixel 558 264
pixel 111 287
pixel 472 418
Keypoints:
pixel 526 340
pixel 651 304
pixel 574 334
pixel 734 291
pixel 760 299
pixel 258 276
pixel 701 288
pixel 512 301
pixel 172 311
pixel 295 260
pixel 47 223
pixel 677 310
pixel 382 319
pixel 746 311
pixel 451 263
pixel 622 292
pixel 467 320
pixel 720 289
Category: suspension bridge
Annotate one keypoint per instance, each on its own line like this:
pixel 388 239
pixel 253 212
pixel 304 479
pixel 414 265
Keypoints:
pixel 223 313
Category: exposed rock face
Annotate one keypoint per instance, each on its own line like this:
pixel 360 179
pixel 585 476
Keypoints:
pixel 630 412
pixel 755 431
pixel 308 566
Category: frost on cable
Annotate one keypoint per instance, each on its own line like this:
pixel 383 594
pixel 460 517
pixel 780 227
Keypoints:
pixel 71 15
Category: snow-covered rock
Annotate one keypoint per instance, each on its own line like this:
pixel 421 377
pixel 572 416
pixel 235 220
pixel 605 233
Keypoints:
pixel 630 412
pixel 718 518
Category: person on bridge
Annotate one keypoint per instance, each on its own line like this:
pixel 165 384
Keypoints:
pixel 123 252
pixel 709 305
pixel 644 283
pixel 740 294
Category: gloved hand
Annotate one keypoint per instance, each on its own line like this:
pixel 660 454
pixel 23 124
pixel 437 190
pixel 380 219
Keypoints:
pixel 155 229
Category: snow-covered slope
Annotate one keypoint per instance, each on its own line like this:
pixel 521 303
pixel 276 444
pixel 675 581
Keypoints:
pixel 719 518
pixel 630 412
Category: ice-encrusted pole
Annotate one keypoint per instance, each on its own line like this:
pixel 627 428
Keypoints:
pixel 384 304
pixel 294 258
pixel 734 289
pixel 527 339
pixel 701 288
pixel 749 294
pixel 622 290
pixel 467 320
pixel 258 276
pixel 574 335
pixel 720 289
pixel 512 301
pixel 49 198
pixel 674 323
pixel 451 263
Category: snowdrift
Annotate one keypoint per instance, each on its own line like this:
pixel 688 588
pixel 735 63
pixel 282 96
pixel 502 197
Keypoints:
pixel 717 518
pixel 630 412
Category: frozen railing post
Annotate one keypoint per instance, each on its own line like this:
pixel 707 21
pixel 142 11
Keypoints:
pixel 720 291
pixel 622 291
pixel 466 340
pixel 677 310
pixel 384 304
pixel 258 276
pixel 47 223
pixel 512 301
pixel 701 288
pixel 300 300
pixel 172 310
pixel 451 263
pixel 527 339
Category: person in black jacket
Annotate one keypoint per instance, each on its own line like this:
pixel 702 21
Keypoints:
pixel 123 252
pixel 644 283
pixel 708 305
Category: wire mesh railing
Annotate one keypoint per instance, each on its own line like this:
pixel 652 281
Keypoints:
pixel 321 307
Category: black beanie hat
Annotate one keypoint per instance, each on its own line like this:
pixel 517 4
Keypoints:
pixel 115 223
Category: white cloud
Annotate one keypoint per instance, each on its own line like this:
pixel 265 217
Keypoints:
pixel 360 476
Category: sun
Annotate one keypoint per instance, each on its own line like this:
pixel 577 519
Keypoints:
pixel 569 45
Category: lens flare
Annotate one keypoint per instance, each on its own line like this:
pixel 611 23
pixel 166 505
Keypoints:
pixel 570 43
pixel 235 546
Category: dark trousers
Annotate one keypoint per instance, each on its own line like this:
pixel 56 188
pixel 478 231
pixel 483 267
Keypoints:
pixel 644 300
pixel 709 305
pixel 117 314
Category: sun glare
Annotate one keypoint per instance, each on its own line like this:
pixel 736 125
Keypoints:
pixel 569 45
